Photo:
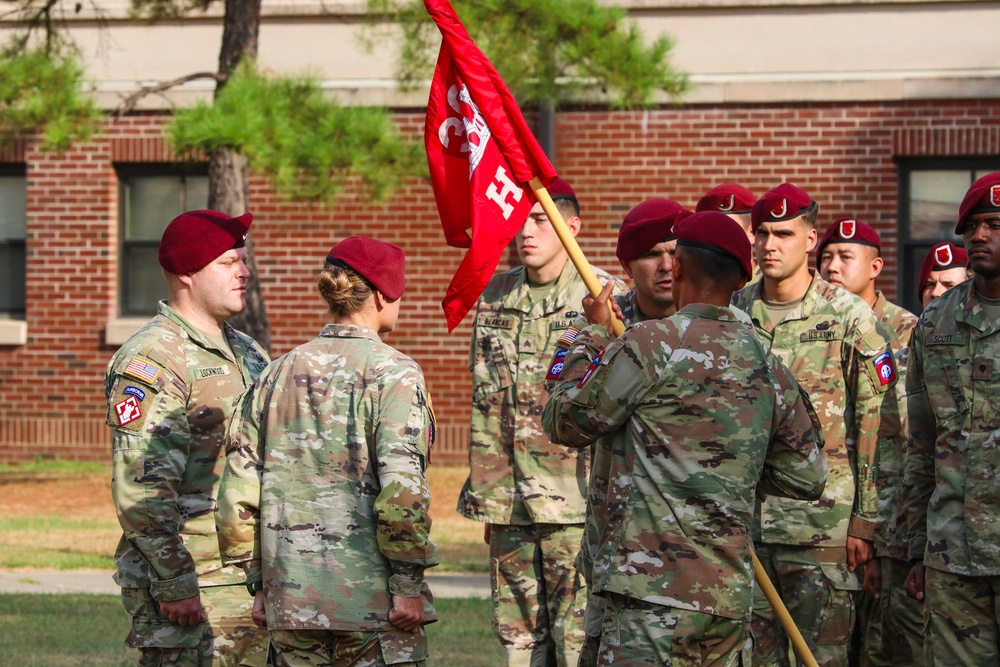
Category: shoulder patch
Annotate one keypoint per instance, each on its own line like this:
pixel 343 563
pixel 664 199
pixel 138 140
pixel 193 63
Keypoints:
pixel 885 368
pixel 142 369
pixel 593 367
pixel 128 405
pixel 556 367
pixel 569 336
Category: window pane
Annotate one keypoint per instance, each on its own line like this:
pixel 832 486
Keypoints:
pixel 149 204
pixel 12 278
pixel 13 207
pixel 153 201
pixel 934 200
pixel 143 280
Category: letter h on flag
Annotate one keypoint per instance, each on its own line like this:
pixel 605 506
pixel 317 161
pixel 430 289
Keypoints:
pixel 482 155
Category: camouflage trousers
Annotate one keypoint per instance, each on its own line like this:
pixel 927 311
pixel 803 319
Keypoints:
pixel 592 623
pixel 639 633
pixel 229 638
pixel 328 648
pixel 539 596
pixel 894 636
pixel 818 593
pixel 962 617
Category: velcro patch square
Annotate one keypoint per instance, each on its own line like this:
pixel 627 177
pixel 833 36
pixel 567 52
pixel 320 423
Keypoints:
pixel 142 369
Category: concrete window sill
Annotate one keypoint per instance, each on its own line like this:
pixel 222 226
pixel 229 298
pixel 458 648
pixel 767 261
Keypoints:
pixel 118 331
pixel 13 332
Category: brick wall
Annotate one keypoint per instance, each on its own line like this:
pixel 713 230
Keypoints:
pixel 51 401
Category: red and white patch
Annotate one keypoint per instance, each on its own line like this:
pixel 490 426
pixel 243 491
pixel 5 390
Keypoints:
pixel 727 203
pixel 780 210
pixel 128 410
pixel 593 367
pixel 848 228
pixel 885 368
pixel 943 256
pixel 995 195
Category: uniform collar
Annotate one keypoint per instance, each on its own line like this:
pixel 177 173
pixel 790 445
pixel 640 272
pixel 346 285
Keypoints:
pixel 709 311
pixel 802 311
pixel 555 300
pixel 334 330
pixel 197 335
pixel 969 310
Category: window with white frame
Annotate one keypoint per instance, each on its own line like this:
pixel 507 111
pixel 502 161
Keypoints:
pixel 930 191
pixel 13 228
pixel 150 197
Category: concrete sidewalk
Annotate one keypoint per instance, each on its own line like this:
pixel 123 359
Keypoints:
pixel 443 585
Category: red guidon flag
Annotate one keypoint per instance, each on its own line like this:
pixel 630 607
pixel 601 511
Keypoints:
pixel 481 154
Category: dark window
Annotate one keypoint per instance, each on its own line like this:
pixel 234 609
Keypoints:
pixel 150 197
pixel 930 191
pixel 13 224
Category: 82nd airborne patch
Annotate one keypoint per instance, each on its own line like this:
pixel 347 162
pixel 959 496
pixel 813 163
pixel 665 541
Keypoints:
pixel 885 368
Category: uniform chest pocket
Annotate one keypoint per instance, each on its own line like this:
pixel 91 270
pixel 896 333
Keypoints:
pixel 943 379
pixel 492 371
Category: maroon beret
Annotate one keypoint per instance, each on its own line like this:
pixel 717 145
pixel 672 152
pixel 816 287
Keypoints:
pixel 784 202
pixel 649 223
pixel 982 197
pixel 716 231
pixel 560 189
pixel 941 257
pixel 194 239
pixel 381 264
pixel 728 198
pixel 849 230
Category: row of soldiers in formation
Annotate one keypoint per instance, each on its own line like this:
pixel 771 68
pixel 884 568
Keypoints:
pixel 621 480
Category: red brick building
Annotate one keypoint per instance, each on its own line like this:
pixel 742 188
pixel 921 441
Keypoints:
pixel 896 163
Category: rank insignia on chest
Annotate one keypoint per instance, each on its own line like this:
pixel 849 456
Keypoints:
pixel 885 368
pixel 593 367
pixel 555 368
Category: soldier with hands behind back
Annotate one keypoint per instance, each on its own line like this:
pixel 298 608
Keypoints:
pixel 171 390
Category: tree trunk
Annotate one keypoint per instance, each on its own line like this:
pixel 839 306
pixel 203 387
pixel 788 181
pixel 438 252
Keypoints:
pixel 228 185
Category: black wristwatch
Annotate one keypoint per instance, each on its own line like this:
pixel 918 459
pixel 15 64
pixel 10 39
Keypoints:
pixel 254 587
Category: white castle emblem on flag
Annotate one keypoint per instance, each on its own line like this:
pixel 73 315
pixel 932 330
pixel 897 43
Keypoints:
pixel 475 130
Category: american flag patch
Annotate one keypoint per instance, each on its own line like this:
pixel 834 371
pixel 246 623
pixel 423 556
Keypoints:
pixel 141 369
pixel 569 336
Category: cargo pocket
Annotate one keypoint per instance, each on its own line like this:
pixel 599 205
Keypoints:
pixel 838 615
pixel 400 647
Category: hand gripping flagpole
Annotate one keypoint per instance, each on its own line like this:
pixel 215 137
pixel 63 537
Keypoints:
pixel 573 248
pixel 593 284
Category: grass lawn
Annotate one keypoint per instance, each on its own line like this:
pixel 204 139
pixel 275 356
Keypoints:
pixel 58 515
pixel 88 630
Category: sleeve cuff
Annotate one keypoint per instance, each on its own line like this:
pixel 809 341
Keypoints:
pixel 407 582
pixel 862 529
pixel 178 588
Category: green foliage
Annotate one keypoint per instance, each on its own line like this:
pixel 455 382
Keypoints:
pixel 41 89
pixel 306 144
pixel 546 50
pixel 156 10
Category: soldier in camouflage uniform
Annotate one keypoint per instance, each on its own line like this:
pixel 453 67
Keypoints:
pixel 697 413
pixel 171 389
pixel 942 268
pixel 324 499
pixel 889 625
pixel 645 243
pixel 953 391
pixel 530 492
pixel 840 355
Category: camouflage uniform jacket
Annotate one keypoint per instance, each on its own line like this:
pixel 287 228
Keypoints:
pixel 701 416
pixel 171 392
pixel 892 540
pixel 516 476
pixel 953 391
pixel 324 496
pixel 603 451
pixel 837 351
